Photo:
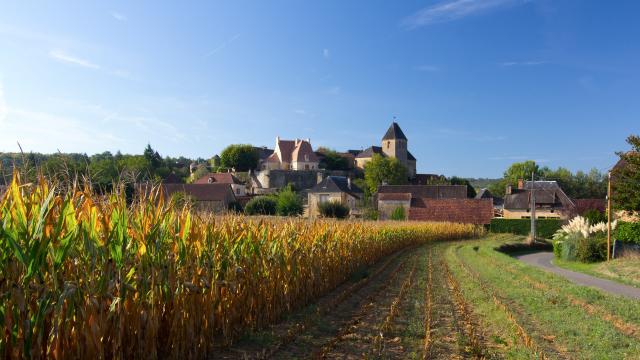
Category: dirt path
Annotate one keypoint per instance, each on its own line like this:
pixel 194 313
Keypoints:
pixel 543 260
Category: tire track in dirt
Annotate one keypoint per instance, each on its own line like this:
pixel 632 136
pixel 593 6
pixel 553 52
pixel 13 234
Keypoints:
pixel 357 338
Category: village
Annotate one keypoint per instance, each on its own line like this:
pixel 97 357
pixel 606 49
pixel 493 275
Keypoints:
pixel 422 197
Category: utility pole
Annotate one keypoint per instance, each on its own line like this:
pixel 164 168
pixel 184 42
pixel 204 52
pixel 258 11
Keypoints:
pixel 533 209
pixel 609 217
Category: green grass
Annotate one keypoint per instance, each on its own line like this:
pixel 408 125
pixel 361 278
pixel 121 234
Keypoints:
pixel 549 312
pixel 625 270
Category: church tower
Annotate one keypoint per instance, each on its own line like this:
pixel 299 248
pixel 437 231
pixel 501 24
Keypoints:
pixel 394 144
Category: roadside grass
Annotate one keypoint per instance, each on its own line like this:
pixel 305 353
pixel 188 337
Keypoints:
pixel 624 270
pixel 553 309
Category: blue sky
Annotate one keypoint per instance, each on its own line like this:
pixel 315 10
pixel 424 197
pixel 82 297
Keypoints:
pixel 475 85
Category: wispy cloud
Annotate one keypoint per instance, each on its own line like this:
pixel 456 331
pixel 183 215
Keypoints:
pixel 523 63
pixel 427 68
pixel 335 90
pixel 118 16
pixel 300 111
pixel 325 53
pixel 451 10
pixel 223 45
pixel 73 60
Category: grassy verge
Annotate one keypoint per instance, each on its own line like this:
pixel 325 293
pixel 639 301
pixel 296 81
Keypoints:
pixel 625 271
pixel 556 315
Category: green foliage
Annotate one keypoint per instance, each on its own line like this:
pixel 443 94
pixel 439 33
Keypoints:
pixel 398 213
pixel 581 185
pixel 626 179
pixel 384 170
pixel 471 192
pixel 595 216
pixel 333 161
pixel 545 228
pixel 333 209
pixel 288 203
pixel 261 205
pixel 241 157
pixel 235 207
pixel 592 249
pixel 557 249
pixel 628 232
pixel 200 172
pixel 370 214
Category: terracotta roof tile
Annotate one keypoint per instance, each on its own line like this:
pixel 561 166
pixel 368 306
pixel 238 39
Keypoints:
pixel 468 211
pixel 218 178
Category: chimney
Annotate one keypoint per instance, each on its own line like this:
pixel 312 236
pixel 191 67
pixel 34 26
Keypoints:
pixel 319 177
pixel 520 184
pixel 349 183
pixel 308 140
pixel 509 190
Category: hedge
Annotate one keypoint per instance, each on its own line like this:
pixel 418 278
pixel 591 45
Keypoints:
pixel 545 228
pixel 628 232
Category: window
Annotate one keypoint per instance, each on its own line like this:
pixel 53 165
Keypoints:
pixel 306 166
pixel 324 198
pixel 237 191
pixel 388 144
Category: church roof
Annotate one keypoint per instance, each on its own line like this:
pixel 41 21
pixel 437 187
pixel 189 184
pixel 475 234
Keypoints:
pixel 394 133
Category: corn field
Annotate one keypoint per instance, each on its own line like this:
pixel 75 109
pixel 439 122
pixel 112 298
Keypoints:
pixel 88 276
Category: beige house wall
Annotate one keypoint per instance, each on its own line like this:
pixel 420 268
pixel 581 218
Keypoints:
pixel 386 207
pixel 523 214
pixel 302 165
pixel 342 198
pixel 361 161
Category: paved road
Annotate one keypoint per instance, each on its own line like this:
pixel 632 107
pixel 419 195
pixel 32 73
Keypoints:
pixel 543 261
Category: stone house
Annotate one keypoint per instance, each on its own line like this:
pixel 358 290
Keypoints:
pixel 551 201
pixel 394 145
pixel 334 189
pixel 291 155
pixel 239 189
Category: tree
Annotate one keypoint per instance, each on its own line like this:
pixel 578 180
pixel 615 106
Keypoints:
pixel 626 177
pixel 521 171
pixel 471 191
pixel 261 205
pixel 333 161
pixel 383 170
pixel 240 157
pixel 288 203
pixel 152 156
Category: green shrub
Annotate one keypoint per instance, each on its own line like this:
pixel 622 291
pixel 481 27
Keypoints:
pixel 557 249
pixel 288 203
pixel 261 205
pixel 370 214
pixel 628 232
pixel 595 216
pixel 568 250
pixel 398 213
pixel 333 209
pixel 235 207
pixel 545 228
pixel 592 249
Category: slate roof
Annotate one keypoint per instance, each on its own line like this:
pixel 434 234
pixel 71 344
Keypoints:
pixel 468 211
pixel 427 191
pixel 333 184
pixel 395 196
pixel 394 133
pixel 263 152
pixel 218 178
pixel 484 194
pixel 201 192
pixel 547 193
pixel 368 152
pixel 410 156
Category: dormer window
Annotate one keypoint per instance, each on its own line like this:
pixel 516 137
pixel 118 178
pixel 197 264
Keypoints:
pixel 210 180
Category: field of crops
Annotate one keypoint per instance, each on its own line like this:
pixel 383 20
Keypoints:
pixel 87 276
